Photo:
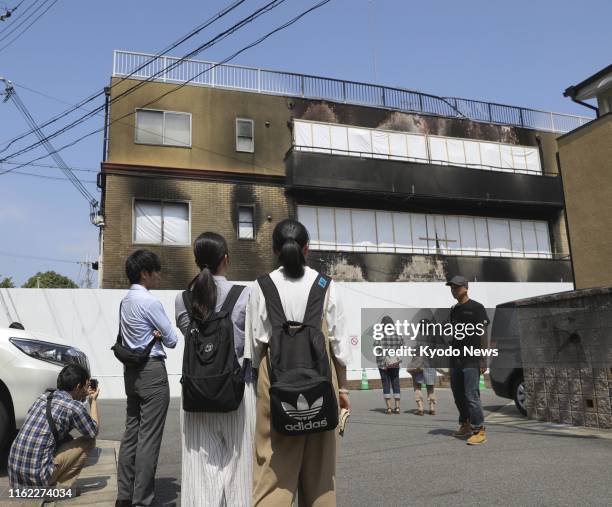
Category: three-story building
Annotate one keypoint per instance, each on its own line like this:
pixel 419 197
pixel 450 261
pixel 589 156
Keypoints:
pixel 393 185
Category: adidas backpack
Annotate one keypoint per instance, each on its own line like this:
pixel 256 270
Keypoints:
pixel 302 397
pixel 212 379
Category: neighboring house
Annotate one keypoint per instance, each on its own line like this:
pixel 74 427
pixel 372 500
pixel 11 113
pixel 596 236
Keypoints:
pixel 586 166
pixel 392 185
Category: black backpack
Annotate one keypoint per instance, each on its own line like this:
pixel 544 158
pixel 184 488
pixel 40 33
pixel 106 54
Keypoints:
pixel 212 379
pixel 302 397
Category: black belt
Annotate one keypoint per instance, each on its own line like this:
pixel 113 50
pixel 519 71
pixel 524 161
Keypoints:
pixel 157 358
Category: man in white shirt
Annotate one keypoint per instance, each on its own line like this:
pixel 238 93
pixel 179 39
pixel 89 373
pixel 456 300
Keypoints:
pixel 143 319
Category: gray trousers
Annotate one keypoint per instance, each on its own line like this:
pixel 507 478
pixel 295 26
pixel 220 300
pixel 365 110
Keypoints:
pixel 148 397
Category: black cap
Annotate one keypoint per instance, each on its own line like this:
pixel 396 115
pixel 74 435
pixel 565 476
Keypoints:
pixel 460 281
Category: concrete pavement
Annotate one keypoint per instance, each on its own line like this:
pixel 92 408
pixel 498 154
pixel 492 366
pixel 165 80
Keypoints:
pixel 407 460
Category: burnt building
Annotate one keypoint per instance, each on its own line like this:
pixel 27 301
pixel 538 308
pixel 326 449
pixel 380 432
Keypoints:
pixel 393 185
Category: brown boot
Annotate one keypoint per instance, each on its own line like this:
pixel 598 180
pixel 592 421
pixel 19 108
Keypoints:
pixel 464 431
pixel 478 437
pixel 418 397
pixel 432 404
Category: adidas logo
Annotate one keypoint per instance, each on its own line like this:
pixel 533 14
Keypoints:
pixel 304 412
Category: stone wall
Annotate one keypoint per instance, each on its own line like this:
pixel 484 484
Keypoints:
pixel 566 347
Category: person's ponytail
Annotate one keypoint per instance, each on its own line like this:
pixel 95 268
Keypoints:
pixel 292 259
pixel 209 249
pixel 204 293
pixel 289 239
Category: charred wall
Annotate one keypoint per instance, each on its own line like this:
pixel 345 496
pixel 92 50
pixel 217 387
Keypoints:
pixel 386 267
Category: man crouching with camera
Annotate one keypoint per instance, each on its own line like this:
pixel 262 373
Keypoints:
pixel 44 456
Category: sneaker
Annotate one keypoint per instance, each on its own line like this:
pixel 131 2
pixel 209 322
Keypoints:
pixel 479 437
pixel 465 430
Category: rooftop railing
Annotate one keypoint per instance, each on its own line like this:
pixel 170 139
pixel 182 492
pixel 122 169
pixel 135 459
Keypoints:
pixel 169 69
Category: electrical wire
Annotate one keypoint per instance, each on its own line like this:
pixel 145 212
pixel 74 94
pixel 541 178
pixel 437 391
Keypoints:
pixel 234 55
pixel 48 166
pixel 35 257
pixel 9 12
pixel 28 26
pixel 140 129
pixel 221 36
pixel 22 14
pixel 44 176
pixel 56 157
pixel 223 12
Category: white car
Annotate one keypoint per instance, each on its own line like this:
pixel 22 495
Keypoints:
pixel 29 364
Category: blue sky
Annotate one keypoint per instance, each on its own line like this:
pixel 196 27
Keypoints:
pixel 522 53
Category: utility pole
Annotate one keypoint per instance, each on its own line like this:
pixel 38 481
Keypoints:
pixel 87 280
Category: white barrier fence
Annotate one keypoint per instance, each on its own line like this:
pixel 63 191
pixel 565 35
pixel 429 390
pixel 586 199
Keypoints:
pixel 88 318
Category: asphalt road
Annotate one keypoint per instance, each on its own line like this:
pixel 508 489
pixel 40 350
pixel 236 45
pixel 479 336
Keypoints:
pixel 399 460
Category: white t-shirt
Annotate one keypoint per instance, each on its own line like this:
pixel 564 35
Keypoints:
pixel 294 296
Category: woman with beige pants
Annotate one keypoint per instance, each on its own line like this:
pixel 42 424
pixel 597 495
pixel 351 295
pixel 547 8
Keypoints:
pixel 284 465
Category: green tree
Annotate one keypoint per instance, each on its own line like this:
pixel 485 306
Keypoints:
pixel 7 283
pixel 49 280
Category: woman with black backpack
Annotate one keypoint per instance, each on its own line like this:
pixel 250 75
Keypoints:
pixel 296 337
pixel 218 417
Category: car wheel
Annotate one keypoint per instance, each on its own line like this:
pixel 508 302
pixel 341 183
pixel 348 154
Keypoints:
pixel 520 395
pixel 5 426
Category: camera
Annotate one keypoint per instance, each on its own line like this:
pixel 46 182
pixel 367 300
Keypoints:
pixel 93 383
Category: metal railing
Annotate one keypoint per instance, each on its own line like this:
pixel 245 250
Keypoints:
pixel 169 69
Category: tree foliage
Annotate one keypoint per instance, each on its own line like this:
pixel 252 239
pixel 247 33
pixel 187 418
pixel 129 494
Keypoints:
pixel 49 280
pixel 7 283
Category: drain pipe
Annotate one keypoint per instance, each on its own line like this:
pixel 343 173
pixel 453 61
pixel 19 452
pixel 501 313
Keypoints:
pixel 571 93
pixel 105 142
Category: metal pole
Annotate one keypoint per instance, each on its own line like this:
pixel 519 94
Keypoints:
pixel 105 142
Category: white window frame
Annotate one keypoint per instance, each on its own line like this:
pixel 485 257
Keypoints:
pixel 161 202
pixel 454 250
pixel 252 208
pixel 428 140
pixel 163 143
pixel 252 122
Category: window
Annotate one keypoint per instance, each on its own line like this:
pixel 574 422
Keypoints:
pixel 360 230
pixel 378 143
pixel 163 127
pixel 161 222
pixel 245 138
pixel 246 222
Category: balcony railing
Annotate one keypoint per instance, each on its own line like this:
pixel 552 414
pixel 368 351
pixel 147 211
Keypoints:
pixel 419 148
pixel 169 69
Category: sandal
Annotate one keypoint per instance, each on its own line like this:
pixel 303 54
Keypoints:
pixel 396 410
pixel 388 411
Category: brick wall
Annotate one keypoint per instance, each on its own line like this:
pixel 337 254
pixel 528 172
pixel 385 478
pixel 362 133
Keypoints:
pixel 213 208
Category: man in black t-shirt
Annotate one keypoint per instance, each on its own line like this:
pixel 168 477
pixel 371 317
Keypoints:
pixel 470 321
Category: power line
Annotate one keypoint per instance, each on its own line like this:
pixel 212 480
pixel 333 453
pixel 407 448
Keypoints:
pixel 48 166
pixel 34 257
pixel 219 37
pixel 9 12
pixel 28 26
pixel 140 129
pixel 11 94
pixel 44 176
pixel 234 55
pixel 23 13
pixel 223 12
